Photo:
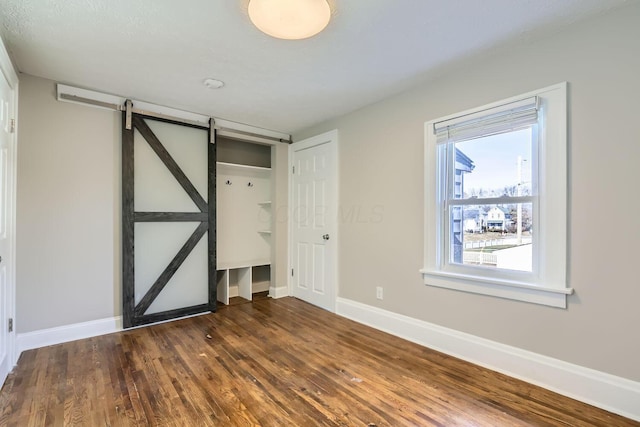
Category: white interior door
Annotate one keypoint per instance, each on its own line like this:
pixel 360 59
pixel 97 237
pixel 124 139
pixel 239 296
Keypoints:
pixel 314 220
pixel 7 109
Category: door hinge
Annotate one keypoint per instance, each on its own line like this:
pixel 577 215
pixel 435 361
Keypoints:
pixel 292 272
pixel 12 126
pixel 294 170
pixel 10 325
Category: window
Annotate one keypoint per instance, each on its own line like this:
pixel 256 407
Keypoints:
pixel 495 208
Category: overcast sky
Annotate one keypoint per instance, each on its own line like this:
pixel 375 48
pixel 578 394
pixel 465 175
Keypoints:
pixel 496 160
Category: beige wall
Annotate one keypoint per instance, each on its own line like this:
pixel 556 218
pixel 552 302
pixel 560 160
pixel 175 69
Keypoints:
pixel 245 153
pixel 68 205
pixel 68 208
pixel 381 172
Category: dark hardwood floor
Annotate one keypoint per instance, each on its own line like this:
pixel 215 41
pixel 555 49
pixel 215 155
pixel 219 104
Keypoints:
pixel 271 363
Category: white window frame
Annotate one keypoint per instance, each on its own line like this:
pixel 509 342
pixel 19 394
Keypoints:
pixel 547 284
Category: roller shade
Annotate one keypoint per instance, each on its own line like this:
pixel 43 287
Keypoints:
pixel 507 117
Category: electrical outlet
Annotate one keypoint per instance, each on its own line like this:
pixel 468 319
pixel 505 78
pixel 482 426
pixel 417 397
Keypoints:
pixel 379 292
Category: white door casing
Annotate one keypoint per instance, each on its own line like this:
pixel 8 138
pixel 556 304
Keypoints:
pixel 314 211
pixel 8 110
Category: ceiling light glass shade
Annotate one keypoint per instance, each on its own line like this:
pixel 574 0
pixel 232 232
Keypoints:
pixel 290 19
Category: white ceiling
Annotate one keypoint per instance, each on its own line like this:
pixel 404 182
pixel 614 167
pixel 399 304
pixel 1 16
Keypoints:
pixel 161 50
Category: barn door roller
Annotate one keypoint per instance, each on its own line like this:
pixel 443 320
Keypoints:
pixel 127 108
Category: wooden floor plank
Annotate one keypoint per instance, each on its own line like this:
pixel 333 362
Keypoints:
pixel 271 363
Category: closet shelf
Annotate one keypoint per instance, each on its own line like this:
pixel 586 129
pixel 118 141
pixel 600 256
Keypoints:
pixel 267 202
pixel 222 265
pixel 239 166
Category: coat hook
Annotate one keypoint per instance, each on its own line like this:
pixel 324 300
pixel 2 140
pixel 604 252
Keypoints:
pixel 228 182
pixel 250 184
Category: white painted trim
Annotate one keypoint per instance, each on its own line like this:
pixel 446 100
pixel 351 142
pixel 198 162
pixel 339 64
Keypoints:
pixel 606 391
pixel 66 333
pixel 260 286
pixel 78 331
pixel 232 167
pixel 279 292
pixel 12 341
pixel 234 291
pixel 552 297
pixel 9 72
pixel 243 264
pixel 289 218
pixel 6 66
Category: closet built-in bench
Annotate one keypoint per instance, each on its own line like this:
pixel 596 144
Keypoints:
pixel 242 279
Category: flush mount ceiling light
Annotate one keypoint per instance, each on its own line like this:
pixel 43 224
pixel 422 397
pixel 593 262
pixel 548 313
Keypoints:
pixel 290 19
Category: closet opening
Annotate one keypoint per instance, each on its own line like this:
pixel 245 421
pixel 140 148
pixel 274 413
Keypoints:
pixel 244 221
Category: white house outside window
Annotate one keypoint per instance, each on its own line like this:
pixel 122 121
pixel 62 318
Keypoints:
pixel 495 209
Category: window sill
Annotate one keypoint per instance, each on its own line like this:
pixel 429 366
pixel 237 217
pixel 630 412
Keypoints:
pixel 543 295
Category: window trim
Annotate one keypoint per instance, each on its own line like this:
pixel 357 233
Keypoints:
pixel 549 287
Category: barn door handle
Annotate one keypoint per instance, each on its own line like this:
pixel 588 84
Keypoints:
pixel 325 237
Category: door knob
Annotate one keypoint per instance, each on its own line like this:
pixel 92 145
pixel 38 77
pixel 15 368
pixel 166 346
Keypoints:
pixel 325 237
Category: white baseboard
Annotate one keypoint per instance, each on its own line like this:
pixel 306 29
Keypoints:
pixel 234 291
pixel 76 331
pixel 260 286
pixel 279 292
pixel 606 391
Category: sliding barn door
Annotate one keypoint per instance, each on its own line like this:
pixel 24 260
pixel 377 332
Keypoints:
pixel 168 197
